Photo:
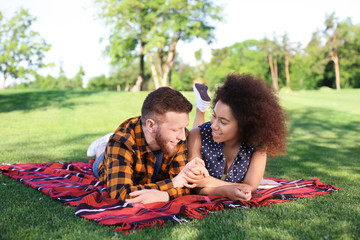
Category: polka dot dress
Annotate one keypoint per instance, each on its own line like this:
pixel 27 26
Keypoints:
pixel 214 157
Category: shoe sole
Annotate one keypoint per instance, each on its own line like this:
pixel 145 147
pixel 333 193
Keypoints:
pixel 92 148
pixel 203 91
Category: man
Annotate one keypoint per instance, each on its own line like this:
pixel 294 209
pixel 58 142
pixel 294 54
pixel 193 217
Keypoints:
pixel 144 160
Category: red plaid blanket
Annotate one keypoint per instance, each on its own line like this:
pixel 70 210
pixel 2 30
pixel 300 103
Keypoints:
pixel 75 184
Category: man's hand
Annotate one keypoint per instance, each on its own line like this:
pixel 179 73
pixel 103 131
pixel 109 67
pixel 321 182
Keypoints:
pixel 148 196
pixel 196 167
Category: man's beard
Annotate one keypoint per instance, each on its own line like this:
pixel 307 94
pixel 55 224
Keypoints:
pixel 165 148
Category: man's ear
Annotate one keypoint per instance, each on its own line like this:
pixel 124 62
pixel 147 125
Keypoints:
pixel 151 125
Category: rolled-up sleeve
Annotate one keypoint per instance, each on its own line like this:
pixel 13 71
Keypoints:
pixel 178 163
pixel 119 163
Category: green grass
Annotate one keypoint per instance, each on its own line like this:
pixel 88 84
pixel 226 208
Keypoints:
pixel 324 142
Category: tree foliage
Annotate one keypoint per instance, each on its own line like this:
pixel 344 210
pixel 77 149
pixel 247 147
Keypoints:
pixel 155 27
pixel 349 54
pixel 21 49
pixel 49 82
pixel 330 59
pixel 143 40
pixel 120 79
pixel 244 57
pixel 183 77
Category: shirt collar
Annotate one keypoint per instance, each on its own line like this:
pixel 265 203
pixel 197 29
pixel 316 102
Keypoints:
pixel 243 150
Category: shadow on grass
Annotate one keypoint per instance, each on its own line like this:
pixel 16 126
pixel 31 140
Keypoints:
pixel 30 100
pixel 322 144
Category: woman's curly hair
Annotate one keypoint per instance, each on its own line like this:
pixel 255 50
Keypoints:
pixel 261 119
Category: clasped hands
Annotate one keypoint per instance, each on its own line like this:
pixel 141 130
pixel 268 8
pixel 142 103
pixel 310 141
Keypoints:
pixel 193 175
pixel 194 171
pixel 198 177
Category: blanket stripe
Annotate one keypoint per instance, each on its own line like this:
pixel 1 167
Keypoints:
pixel 75 184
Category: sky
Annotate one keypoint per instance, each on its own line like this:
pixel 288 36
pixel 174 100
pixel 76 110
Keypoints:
pixel 74 31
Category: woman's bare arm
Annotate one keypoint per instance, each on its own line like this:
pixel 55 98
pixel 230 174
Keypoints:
pixel 194 144
pixel 234 191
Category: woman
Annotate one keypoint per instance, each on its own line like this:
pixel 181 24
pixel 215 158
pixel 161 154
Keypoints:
pixel 246 126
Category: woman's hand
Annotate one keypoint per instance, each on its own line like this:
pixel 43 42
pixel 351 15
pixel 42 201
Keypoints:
pixel 236 192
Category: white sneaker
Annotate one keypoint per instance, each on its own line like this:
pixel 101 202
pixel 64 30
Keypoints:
pixel 202 99
pixel 91 152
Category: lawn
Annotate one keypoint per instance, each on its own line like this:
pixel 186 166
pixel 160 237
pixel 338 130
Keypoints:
pixel 324 142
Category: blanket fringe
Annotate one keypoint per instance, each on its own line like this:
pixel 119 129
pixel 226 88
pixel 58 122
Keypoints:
pixel 127 228
pixel 192 213
pixel 197 213
pixel 200 213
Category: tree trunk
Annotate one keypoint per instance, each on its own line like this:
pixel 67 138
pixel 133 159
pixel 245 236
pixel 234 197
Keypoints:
pixel 170 83
pixel 137 86
pixel 337 71
pixel 276 73
pixel 287 72
pixel 336 64
pixel 160 62
pixel 276 69
pixel 141 77
pixel 6 75
pixel 275 86
pixel 271 67
pixel 154 72
pixel 170 60
pixel 4 81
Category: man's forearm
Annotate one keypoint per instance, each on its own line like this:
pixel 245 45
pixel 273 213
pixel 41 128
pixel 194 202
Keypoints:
pixel 122 191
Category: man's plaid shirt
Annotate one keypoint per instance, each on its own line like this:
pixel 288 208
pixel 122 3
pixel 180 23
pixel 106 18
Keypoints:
pixel 129 163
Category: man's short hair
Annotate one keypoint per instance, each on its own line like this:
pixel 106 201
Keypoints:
pixel 163 100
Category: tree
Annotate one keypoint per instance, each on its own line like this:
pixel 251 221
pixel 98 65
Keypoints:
pixel 181 20
pixel 270 49
pixel 332 32
pixel 98 83
pixel 62 79
pixel 246 57
pixel 21 49
pixel 140 27
pixel 184 77
pixel 77 81
pixel 316 61
pixel 218 68
pixel 125 76
pixel 45 82
pixel 287 51
pixel 129 22
pixel 241 57
pixel 350 54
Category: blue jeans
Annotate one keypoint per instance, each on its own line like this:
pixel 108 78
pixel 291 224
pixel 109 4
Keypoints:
pixel 97 164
